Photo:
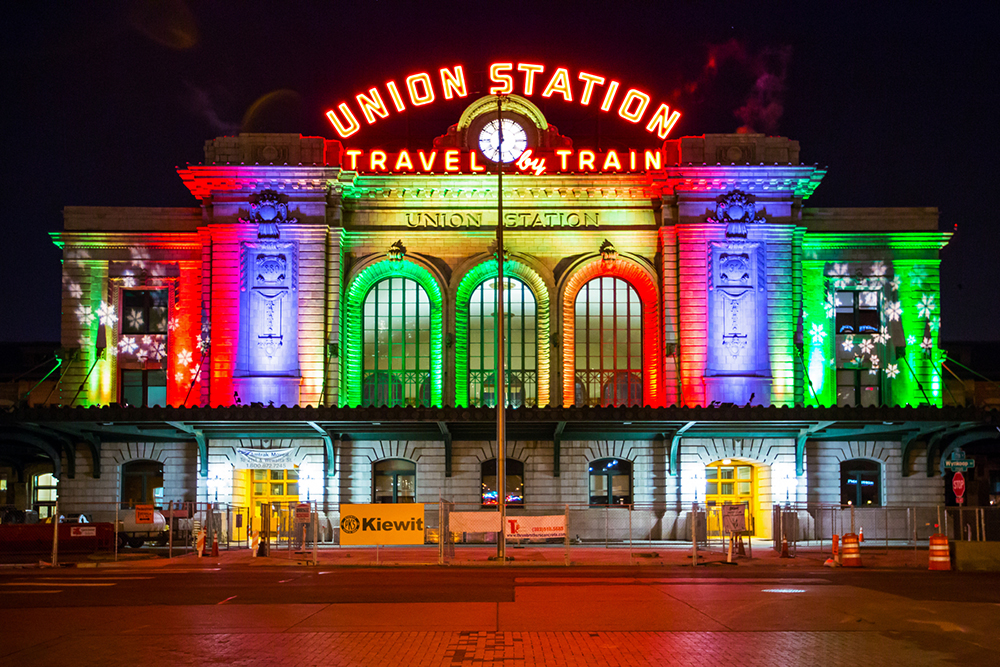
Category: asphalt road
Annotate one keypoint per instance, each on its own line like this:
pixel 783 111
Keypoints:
pixel 192 615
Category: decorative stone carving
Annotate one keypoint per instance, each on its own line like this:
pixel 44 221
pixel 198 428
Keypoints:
pixel 609 254
pixel 736 209
pixel 397 251
pixel 267 210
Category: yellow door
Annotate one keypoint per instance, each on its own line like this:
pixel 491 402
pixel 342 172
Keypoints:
pixel 728 483
pixel 280 490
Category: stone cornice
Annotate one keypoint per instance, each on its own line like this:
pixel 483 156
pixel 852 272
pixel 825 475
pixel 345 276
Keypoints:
pixel 796 180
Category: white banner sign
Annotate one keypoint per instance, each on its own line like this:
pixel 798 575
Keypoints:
pixel 474 522
pixel 265 459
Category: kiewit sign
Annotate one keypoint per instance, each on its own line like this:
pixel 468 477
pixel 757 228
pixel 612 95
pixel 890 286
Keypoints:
pixel 382 524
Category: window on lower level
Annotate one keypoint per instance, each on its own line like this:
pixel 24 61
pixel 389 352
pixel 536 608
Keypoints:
pixel 514 482
pixel 861 483
pixel 394 481
pixel 44 493
pixel 610 482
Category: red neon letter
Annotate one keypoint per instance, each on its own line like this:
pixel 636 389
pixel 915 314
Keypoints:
pixel 563 158
pixel 451 160
pixel 403 162
pixel 344 130
pixel 352 156
pixel 633 116
pixel 453 83
pixel 506 81
pixel 376 160
pixel 631 160
pixel 529 75
pixel 663 121
pixel 586 160
pixel 394 94
pixel 559 83
pixel 609 96
pixel 611 162
pixel 654 160
pixel 473 166
pixel 372 104
pixel 588 86
pixel 417 99
pixel 427 164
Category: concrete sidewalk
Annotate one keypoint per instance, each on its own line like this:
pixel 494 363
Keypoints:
pixel 661 555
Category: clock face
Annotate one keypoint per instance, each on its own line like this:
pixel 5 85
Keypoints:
pixel 515 140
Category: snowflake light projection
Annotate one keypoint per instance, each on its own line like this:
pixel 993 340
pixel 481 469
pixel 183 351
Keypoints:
pixel 135 318
pixel 848 344
pixel 935 324
pixel 878 268
pixel 173 323
pixel 818 333
pixel 141 355
pixel 830 305
pixel 875 365
pixel 179 376
pixel 106 314
pixel 75 291
pixel 927 344
pixel 926 306
pixel 158 350
pixel 891 371
pixel 184 357
pixel 867 346
pixel 895 283
pixel 840 270
pixel 128 281
pixel 911 340
pixel 882 336
pixel 85 315
pixel 893 311
pixel 127 345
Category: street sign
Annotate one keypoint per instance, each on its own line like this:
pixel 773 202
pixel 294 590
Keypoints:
pixel 960 465
pixel 958 486
pixel 734 518
pixel 302 513
pixel 144 514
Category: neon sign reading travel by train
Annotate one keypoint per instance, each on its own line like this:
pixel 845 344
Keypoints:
pixel 585 88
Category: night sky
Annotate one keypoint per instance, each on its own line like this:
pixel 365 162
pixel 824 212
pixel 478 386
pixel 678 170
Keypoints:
pixel 101 101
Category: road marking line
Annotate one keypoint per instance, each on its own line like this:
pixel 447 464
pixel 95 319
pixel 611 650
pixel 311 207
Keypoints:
pixel 27 592
pixel 43 583
pixel 227 599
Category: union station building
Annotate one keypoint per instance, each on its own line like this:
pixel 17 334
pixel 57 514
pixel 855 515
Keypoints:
pixel 320 324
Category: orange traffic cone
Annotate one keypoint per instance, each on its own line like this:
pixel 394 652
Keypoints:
pixel 861 534
pixel 784 547
pixel 215 545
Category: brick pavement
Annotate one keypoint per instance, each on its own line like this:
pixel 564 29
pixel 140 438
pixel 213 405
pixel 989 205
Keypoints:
pixel 513 649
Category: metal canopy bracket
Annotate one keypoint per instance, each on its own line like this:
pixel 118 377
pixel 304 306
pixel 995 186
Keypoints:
pixel 962 441
pixel 800 445
pixel 675 449
pixel 330 469
pixel 443 427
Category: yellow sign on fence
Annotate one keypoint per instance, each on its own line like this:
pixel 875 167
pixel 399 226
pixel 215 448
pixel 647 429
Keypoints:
pixel 382 524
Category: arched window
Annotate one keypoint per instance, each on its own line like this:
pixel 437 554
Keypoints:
pixel 608 343
pixel 520 346
pixel 513 488
pixel 861 483
pixel 396 361
pixel 610 482
pixel 142 483
pixel 394 481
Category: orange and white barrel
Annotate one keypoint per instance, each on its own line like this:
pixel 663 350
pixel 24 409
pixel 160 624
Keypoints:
pixel 850 552
pixel 254 543
pixel 940 558
pixel 199 545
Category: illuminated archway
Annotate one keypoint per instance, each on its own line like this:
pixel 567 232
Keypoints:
pixel 473 279
pixel 640 280
pixel 354 334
